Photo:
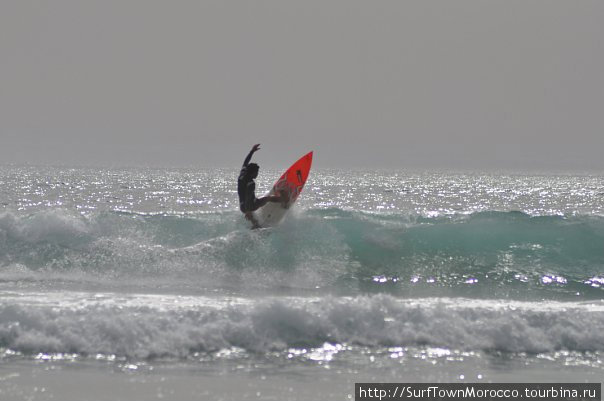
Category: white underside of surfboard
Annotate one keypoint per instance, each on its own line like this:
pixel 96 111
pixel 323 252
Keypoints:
pixel 272 213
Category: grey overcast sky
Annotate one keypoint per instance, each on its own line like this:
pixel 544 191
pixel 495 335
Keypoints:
pixel 413 84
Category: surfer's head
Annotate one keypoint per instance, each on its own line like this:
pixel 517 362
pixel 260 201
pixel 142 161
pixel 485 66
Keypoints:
pixel 252 170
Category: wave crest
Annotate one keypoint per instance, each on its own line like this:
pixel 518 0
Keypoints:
pixel 487 251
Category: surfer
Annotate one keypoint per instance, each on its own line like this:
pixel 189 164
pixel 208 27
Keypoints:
pixel 246 188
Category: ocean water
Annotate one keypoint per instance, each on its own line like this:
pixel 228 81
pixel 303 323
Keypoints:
pixel 142 284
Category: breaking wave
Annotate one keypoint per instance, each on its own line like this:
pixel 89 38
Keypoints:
pixel 509 253
pixel 283 323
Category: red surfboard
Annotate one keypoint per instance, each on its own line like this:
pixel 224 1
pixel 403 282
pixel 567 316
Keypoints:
pixel 288 186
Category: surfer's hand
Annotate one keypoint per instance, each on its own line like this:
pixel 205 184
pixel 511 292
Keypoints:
pixel 256 147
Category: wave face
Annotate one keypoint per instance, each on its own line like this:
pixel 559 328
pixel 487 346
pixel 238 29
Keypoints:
pixel 138 330
pixel 487 254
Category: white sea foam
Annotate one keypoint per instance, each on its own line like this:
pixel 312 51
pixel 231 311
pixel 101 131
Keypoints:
pixel 56 226
pixel 168 326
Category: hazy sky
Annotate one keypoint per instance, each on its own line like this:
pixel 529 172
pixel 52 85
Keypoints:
pixel 453 84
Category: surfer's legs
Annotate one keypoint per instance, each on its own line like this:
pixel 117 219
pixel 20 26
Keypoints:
pixel 272 198
pixel 250 216
pixel 283 198
pixel 258 203
pixel 265 199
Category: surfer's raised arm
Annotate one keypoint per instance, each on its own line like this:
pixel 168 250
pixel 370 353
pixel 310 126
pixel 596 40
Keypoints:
pixel 249 155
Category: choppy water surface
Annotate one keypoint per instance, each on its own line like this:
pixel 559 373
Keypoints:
pixel 372 270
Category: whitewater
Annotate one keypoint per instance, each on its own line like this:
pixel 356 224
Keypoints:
pixel 139 283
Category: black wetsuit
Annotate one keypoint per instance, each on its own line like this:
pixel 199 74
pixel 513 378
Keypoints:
pixel 246 188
